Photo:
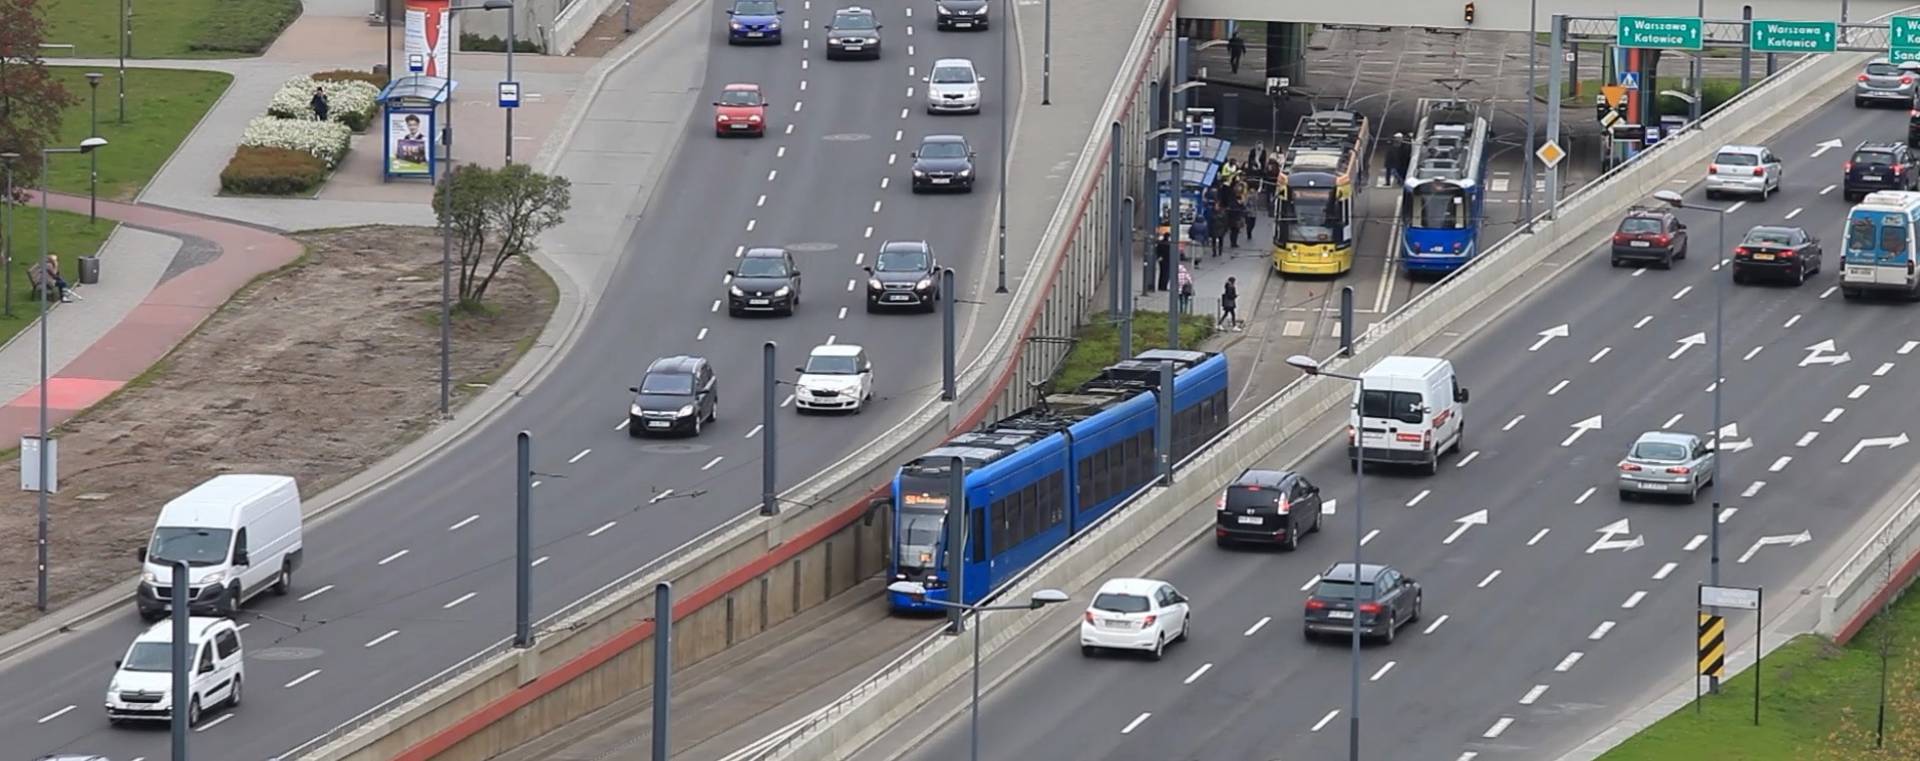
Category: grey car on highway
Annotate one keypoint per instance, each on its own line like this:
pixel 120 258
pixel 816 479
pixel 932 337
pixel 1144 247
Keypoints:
pixel 1884 82
pixel 1668 464
pixel 1386 600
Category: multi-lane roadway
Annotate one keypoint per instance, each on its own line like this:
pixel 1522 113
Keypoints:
pixel 1541 624
pixel 419 575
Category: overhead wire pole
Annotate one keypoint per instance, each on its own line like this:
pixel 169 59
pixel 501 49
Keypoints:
pixel 1006 74
pixel 1533 66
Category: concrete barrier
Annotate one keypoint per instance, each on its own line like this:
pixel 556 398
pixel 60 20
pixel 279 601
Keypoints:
pixel 1874 575
pixel 842 728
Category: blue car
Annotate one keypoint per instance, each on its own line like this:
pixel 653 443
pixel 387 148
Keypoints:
pixel 753 21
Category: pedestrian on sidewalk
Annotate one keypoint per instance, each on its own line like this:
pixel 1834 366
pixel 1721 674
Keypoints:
pixel 48 271
pixel 1218 229
pixel 1236 50
pixel 1199 233
pixel 319 103
pixel 1164 251
pixel 1234 213
pixel 1250 219
pixel 1229 312
pixel 1186 290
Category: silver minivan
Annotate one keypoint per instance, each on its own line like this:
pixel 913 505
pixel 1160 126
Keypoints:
pixel 1885 82
pixel 1744 170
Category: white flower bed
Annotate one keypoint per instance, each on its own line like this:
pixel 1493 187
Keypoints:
pixel 326 141
pixel 295 98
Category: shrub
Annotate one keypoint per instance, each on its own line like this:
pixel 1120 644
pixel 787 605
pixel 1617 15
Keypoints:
pixel 377 79
pixel 326 141
pixel 272 171
pixel 351 102
pixel 491 44
pixel 244 26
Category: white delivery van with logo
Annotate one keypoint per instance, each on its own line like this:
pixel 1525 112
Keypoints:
pixel 239 535
pixel 1407 411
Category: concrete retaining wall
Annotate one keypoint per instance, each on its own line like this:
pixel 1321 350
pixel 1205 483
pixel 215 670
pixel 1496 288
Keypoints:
pixel 1869 580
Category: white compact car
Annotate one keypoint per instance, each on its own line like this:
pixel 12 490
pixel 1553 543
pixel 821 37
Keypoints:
pixel 1135 614
pixel 1744 170
pixel 142 684
pixel 953 87
pixel 837 377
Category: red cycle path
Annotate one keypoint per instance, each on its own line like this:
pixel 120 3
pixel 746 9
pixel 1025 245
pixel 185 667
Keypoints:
pixel 167 315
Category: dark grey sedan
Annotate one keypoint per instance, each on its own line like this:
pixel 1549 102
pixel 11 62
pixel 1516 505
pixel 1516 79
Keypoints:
pixel 1670 464
pixel 1379 604
pixel 943 162
pixel 960 14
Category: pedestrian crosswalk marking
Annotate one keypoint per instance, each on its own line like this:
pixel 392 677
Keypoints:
pixel 1293 328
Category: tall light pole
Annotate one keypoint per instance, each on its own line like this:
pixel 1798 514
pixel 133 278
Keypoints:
pixel 513 41
pixel 1311 366
pixel 446 229
pixel 93 169
pixel 126 47
pixel 6 244
pixel 46 279
pixel 1006 74
pixel 1039 599
pixel 1719 386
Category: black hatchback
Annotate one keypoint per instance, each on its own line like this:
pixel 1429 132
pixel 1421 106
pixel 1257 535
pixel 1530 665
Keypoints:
pixel 1379 604
pixel 678 395
pixel 1267 507
pixel 1878 165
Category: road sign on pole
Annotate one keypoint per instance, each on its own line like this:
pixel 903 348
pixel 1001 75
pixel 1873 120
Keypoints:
pixel 1660 32
pixel 1740 598
pixel 1630 80
pixel 1794 36
pixel 1614 93
pixel 1550 154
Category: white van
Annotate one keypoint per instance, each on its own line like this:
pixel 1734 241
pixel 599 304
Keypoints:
pixel 1407 411
pixel 240 534
pixel 142 683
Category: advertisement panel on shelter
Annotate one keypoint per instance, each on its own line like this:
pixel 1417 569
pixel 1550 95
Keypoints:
pixel 429 34
pixel 410 143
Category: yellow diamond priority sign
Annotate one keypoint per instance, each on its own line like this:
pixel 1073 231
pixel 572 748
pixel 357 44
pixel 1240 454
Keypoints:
pixel 1550 154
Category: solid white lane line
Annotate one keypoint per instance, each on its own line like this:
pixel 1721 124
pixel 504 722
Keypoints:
pixel 1498 727
pixel 393 557
pixel 1195 676
pixel 1511 423
pixel 1829 291
pixel 463 522
pixel 1382 672
pixel 1315 579
pixel 54 715
pixel 581 456
pixel 1665 571
pixel 1604 350
pixel 713 462
pixel 1467 459
pixel 1585 495
pixel 602 529
pixel 1557 386
pixel 1794 213
pixel 1369 537
pixel 315 593
pixel 1883 369
pixel 1633 600
pixel 1695 542
pixel 537 561
pixel 1489 579
pixel 1135 723
pixel 1755 352
pixel 1601 630
pixel 1533 694
pixel 303 677
pixel 752 433
pixel 1682 293
pixel 1833 414
pixel 1566 663
pixel 1537 536
pixel 1779 464
pixel 382 638
pixel 1671 422
pixel 1726 513
pixel 1418 497
pixel 701 336
pixel 1256 626
pixel 216 722
pixel 458 600
pixel 1436 624
pixel 1858 391
pixel 1325 720
pixel 1643 322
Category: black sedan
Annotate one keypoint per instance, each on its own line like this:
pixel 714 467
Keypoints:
pixel 1776 252
pixel 943 162
pixel 1386 600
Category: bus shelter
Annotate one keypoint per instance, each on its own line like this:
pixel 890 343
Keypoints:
pixel 409 119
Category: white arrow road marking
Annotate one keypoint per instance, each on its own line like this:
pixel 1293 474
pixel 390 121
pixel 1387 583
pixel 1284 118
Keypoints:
pixel 1475 518
pixel 1824 147
pixel 1557 331
pixel 1790 540
pixel 1697 339
pixel 1729 432
pixel 1890 442
pixel 1331 507
pixel 1822 354
pixel 1608 542
pixel 1580 429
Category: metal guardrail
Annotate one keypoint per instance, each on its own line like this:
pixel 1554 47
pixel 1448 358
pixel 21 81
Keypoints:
pixel 1844 581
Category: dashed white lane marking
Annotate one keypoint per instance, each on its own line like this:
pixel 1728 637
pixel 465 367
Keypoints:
pixel 710 310
pixel 537 561
pixel 1633 600
pixel 316 593
pixel 1726 513
pixel 243 627
pixel 713 462
pixel 897 134
pixel 803 64
pixel 664 493
pixel 457 600
pixel 830 340
pixel 1468 756
pixel 1511 423
pixel 535 485
pixel 884 181
pixel 463 522
pixel 1417 498
pixel 1794 213
pixel 1498 727
pixel 1533 694
pixel 1537 536
pixel 754 432
pixel 1256 626
pixel 1682 293
pixel 1604 351
pixel 892 157
pixel 1883 369
pixel 803 85
pixel 604 527
pixel 1566 664
pixel 868 233
pixel 751 223
pixel 1137 720
pixel 1779 464
pixel 1738 205
pixel 1601 630
pixel 623 424
pixel 301 678
pixel 1467 459
pixel 787 401
pixel 771 173
pixel 909 50
pixel 1638 271
pixel 1672 421
pixel 1858 391
pixel 1195 676
pixel 843 314
pixel 1369 537
pixel 762 201
pixel 1488 580
pixel 1665 571
pixel 581 456
pixel 1755 352
pixel 1833 414
pixel 700 336
pixel 1827 189
pixel 903 113
pixel 1325 720
pixel 1829 291
pixel 850 284
pixel 1585 495
pixel 1807 438
pixel 796 106
pixel 1791 321
pixel 1695 542
pixel 1312 580
pixel 1643 322
pixel 859 258
pixel 54 715
pixel 393 557
pixel 876 207
pixel 391 633
pixel 1382 672
pixel 909 91
pixel 216 722
pixel 1435 625
pixel 1908 347
pixel 1557 387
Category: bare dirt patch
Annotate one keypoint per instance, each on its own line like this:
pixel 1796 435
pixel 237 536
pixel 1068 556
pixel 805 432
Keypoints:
pixel 609 30
pixel 317 371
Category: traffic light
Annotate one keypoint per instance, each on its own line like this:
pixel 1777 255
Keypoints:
pixel 1469 14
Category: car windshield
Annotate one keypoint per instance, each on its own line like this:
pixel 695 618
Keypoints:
pixel 1874 158
pixel 1342 590
pixel 1640 225
pixel 901 261
pixel 755 8
pixel 852 22
pixel 952 75
pixel 1883 70
pixel 196 546
pixel 1769 238
pixel 1730 158
pixel 762 266
pixel 740 98
pixel 838 365
pixel 667 383
pixel 943 150
pixel 1403 406
pixel 1118 603
pixel 1659 451
pixel 149 656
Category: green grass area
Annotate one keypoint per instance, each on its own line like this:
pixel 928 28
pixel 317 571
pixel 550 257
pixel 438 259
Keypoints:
pixel 1099 343
pixel 1817 702
pixel 170 29
pixel 69 235
pixel 163 105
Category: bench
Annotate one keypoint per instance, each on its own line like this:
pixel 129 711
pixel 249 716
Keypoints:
pixel 37 276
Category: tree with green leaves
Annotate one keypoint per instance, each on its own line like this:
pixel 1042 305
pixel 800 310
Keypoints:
pixel 30 98
pixel 495 216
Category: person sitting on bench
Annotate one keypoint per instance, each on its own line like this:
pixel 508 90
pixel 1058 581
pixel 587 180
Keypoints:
pixel 49 270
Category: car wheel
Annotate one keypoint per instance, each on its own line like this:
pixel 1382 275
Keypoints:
pixel 1392 627
pixel 1186 628
pixel 1713 195
pixel 151 616
pixel 1739 278
pixel 1089 651
pixel 1417 602
pixel 232 606
pixel 193 712
pixel 713 413
pixel 1626 496
pixel 1222 542
pixel 1316 523
pixel 1615 262
pixel 1858 103
pixel 1666 262
pixel 872 307
pixel 633 431
pixel 233 698
pixel 1293 536
pixel 1460 440
pixel 698 424
pixel 1433 462
pixel 284 582
pixel 1693 493
pixel 1849 293
pixel 1159 648
pixel 1800 275
pixel 1306 633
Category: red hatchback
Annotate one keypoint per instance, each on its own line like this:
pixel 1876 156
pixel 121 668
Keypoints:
pixel 740 111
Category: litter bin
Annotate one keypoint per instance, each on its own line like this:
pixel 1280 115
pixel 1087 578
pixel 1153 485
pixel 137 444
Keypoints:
pixel 89 270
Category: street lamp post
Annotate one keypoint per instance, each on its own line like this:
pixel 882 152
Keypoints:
pixel 126 47
pixel 6 244
pixel 93 169
pixel 1311 366
pixel 46 160
pixel 446 229
pixel 1006 74
pixel 918 592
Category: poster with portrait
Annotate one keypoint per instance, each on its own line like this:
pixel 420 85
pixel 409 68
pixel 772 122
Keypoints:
pixel 410 143
pixel 428 33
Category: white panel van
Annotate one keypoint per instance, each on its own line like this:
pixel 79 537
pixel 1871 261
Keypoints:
pixel 1407 411
pixel 239 534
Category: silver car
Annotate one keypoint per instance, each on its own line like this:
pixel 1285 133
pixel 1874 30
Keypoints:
pixel 1744 170
pixel 1668 464
pixel 1884 82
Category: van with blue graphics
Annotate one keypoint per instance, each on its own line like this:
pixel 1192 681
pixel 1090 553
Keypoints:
pixel 1879 255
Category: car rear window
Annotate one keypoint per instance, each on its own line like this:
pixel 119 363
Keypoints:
pixel 1640 225
pixel 1342 590
pixel 1659 451
pixel 1883 70
pixel 1242 497
pixel 1770 238
pixel 1879 158
pixel 1117 603
pixel 1729 158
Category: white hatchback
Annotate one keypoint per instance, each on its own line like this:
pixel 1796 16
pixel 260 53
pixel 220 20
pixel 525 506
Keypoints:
pixel 837 377
pixel 1135 614
pixel 953 87
pixel 1744 170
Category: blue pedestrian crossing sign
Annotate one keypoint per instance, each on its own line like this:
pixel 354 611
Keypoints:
pixel 1630 80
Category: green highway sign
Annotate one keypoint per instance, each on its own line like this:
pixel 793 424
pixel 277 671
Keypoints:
pixel 1903 55
pixel 1669 33
pixel 1793 36
pixel 1903 33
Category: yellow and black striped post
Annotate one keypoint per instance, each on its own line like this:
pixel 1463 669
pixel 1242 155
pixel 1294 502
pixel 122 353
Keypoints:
pixel 1713 646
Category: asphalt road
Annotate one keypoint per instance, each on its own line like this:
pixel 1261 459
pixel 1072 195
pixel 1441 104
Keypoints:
pixel 419 576
pixel 1533 637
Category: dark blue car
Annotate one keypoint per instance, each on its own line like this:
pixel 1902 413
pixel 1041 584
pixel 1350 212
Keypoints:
pixel 753 21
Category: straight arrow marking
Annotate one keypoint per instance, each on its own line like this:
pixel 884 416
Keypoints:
pixel 1824 147
pixel 1580 429
pixel 1475 518
pixel 1557 331
pixel 1689 342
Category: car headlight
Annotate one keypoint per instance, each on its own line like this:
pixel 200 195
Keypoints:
pixel 687 410
pixel 720 118
pixel 943 10
pixel 918 173
pixel 214 578
pixel 925 283
pixel 150 577
pixel 735 290
pixel 966 173
pixel 874 283
pixel 113 686
pixel 783 291
pixel 634 409
pixel 754 118
pixel 736 26
pixel 775 25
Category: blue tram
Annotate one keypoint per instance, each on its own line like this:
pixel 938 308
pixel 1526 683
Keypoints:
pixel 1443 201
